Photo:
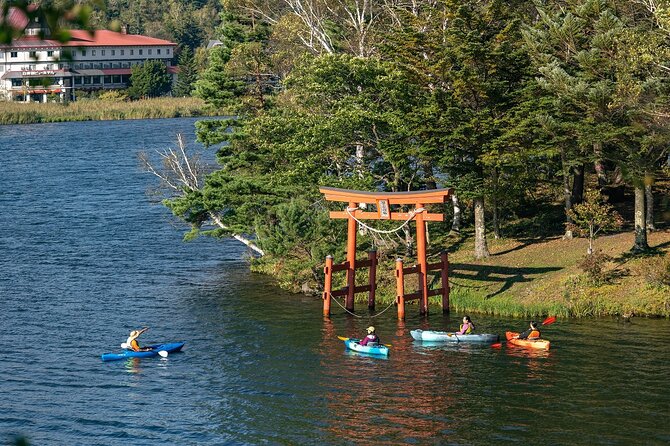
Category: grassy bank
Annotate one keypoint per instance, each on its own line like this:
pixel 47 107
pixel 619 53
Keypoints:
pixel 524 278
pixel 102 110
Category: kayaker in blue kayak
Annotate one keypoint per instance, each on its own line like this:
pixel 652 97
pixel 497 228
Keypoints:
pixel 467 327
pixel 132 341
pixel 371 338
pixel 531 333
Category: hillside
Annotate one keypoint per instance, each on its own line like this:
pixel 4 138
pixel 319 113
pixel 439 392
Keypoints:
pixel 542 277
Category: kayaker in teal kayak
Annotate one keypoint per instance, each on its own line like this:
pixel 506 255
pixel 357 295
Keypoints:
pixel 132 341
pixel 531 333
pixel 371 338
pixel 467 327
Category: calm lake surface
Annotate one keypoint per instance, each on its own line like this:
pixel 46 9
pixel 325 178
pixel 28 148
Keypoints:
pixel 85 257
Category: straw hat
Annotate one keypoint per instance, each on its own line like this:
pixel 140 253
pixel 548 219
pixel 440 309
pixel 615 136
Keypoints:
pixel 371 329
pixel 134 334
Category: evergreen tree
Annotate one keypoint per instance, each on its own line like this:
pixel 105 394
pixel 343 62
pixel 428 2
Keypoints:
pixel 187 75
pixel 150 79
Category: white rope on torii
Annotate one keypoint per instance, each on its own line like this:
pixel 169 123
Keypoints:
pixel 412 214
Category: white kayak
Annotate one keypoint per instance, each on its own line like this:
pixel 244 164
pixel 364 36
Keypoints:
pixel 443 336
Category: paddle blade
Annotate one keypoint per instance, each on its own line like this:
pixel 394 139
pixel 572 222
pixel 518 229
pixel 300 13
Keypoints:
pixel 342 338
pixel 550 320
pixel 163 354
pixel 497 345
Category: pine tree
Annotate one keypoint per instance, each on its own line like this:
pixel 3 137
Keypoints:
pixel 187 75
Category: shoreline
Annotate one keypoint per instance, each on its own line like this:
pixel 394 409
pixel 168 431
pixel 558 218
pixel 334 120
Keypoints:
pixel 103 110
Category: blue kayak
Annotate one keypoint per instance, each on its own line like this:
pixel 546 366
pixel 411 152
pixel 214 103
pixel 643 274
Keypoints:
pixel 170 348
pixel 381 350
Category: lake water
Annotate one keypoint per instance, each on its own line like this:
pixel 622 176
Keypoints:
pixel 85 257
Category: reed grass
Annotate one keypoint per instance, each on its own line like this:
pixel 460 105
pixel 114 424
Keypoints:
pixel 102 110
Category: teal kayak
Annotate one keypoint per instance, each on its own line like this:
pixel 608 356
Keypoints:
pixel 352 344
pixel 443 336
pixel 169 348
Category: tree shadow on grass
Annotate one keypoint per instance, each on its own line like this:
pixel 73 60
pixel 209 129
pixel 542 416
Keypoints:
pixel 491 274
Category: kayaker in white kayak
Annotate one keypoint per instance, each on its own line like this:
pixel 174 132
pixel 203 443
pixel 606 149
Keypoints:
pixel 371 338
pixel 132 341
pixel 531 333
pixel 467 327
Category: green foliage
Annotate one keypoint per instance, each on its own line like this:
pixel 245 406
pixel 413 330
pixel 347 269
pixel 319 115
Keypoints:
pixel 593 216
pixel 188 73
pixel 151 79
pixel 215 85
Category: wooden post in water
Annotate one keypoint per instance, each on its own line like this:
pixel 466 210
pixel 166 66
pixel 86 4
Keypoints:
pixel 351 258
pixel 372 279
pixel 421 260
pixel 400 289
pixel 445 282
pixel 327 285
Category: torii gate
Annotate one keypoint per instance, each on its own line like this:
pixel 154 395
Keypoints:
pixel 384 201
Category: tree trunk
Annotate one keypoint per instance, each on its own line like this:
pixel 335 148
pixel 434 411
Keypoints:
pixel 578 184
pixel 237 237
pixel 599 165
pixel 430 175
pixel 456 222
pixel 640 226
pixel 649 202
pixel 481 249
pixel 496 220
pixel 567 195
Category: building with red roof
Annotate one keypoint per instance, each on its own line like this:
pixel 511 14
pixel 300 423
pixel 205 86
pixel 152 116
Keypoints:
pixel 34 67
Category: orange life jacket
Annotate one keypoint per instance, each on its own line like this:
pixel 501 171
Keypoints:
pixel 535 334
pixel 134 345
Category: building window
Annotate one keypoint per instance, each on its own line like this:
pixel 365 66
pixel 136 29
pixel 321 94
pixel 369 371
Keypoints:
pixel 102 52
pixel 150 50
pixel 13 54
pixel 158 51
pixel 77 80
pixel 17 82
pixel 132 52
pixel 141 51
pixel 167 51
pixel 2 55
pixel 113 52
pixel 92 52
pixel 88 80
pixel 50 54
pixel 116 79
pixel 33 54
pixel 122 52
pixel 83 53
pixel 108 79
pixel 96 79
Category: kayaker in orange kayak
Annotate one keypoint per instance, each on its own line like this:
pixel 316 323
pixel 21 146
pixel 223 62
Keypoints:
pixel 132 341
pixel 531 333
pixel 467 327
pixel 371 338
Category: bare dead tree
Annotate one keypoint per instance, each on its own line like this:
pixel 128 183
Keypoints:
pixel 181 173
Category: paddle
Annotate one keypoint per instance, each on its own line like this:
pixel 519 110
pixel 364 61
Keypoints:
pixel 342 338
pixel 548 321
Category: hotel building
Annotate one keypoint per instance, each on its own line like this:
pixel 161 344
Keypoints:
pixel 32 68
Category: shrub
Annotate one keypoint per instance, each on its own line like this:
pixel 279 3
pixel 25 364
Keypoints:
pixel 657 271
pixel 594 266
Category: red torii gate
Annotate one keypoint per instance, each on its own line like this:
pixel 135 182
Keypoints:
pixel 384 201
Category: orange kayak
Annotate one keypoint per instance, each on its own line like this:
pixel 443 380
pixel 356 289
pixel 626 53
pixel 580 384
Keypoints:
pixel 540 344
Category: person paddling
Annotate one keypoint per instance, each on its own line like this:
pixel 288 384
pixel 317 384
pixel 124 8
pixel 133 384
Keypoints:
pixel 371 338
pixel 132 341
pixel 467 327
pixel 532 333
